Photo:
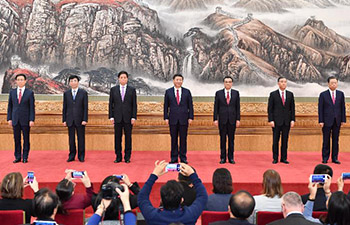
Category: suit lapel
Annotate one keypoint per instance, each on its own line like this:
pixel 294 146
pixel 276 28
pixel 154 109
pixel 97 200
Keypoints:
pixel 329 97
pixel 24 94
pixel 119 95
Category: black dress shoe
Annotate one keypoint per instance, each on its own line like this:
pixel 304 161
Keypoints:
pixel 284 161
pixel 222 161
pixel 184 161
pixel 70 160
pixel 336 162
pixel 81 160
pixel 173 161
pixel 117 161
pixel 127 161
pixel 231 161
pixel 324 161
pixel 16 160
pixel 25 160
pixel 274 161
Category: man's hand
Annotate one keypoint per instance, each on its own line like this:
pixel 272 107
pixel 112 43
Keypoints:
pixel 83 123
pixel 166 122
pixel 9 122
pixel 312 189
pixel 216 123
pixel 321 124
pixel 31 123
pixel 124 197
pixel 272 124
pixel 112 120
pixel 342 123
pixel 65 124
pixel 327 185
pixel 190 121
pixel 186 170
pixel 126 180
pixel 238 123
pixel 340 183
pixel 86 180
pixel 102 207
pixel 33 185
pixel 292 124
pixel 69 174
pixel 133 121
pixel 159 168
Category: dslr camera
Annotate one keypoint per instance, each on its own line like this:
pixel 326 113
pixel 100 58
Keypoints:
pixel 108 190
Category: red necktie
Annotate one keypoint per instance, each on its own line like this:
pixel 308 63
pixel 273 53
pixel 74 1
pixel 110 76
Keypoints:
pixel 178 97
pixel 283 98
pixel 20 96
pixel 228 98
pixel 333 98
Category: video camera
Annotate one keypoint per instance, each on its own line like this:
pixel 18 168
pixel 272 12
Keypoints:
pixel 108 190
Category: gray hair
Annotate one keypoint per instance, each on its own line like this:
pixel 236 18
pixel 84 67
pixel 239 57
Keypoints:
pixel 291 199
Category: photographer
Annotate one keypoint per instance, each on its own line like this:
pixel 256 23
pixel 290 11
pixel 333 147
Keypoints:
pixel 12 187
pixel 65 192
pixel 171 196
pixel 129 217
pixel 112 211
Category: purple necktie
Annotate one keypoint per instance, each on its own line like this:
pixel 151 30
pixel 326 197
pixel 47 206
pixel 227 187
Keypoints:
pixel 123 93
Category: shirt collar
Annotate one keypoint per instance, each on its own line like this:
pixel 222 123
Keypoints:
pixel 294 212
pixel 75 89
pixel 23 88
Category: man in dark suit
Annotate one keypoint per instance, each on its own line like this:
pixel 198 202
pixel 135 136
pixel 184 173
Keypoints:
pixel 331 115
pixel 281 116
pixel 122 113
pixel 292 209
pixel 241 206
pixel 75 117
pixel 178 113
pixel 227 108
pixel 21 116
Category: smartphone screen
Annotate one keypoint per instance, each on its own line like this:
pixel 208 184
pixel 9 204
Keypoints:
pixel 345 176
pixel 30 175
pixel 77 174
pixel 119 176
pixel 172 168
pixel 318 178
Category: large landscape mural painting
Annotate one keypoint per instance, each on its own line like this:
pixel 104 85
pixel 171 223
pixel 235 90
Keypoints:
pixel 254 41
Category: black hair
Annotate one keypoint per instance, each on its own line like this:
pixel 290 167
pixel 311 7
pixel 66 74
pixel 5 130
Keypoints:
pixel 338 209
pixel 330 78
pixel 171 194
pixel 280 78
pixel 64 190
pixel 178 75
pixel 123 72
pixel 242 204
pixel 21 75
pixel 71 77
pixel 227 77
pixel 323 169
pixel 45 202
pixel 222 181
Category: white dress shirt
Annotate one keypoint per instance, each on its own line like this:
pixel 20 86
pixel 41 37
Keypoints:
pixel 180 92
pixel 229 93
pixel 285 94
pixel 22 90
pixel 335 94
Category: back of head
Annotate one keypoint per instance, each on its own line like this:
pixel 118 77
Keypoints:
pixel 323 169
pixel 272 184
pixel 12 186
pixel 222 181
pixel 242 205
pixel 185 179
pixel 45 203
pixel 64 190
pixel 171 194
pixel 110 179
pixel 291 201
pixel 338 209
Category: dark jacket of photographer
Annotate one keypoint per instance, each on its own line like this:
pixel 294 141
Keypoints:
pixel 112 211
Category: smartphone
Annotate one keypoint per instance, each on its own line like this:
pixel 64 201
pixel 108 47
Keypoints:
pixel 30 176
pixel 45 223
pixel 345 176
pixel 318 178
pixel 172 168
pixel 119 176
pixel 77 174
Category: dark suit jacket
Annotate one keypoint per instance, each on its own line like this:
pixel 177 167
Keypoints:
pixel 178 113
pixel 23 112
pixel 230 112
pixel 77 110
pixel 327 111
pixel 231 221
pixel 120 110
pixel 279 113
pixel 293 219
pixel 320 200
pixel 18 204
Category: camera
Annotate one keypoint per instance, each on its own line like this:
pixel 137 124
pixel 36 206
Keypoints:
pixel 108 190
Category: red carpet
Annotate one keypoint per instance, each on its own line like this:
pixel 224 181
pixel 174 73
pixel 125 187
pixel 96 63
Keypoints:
pixel 247 173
